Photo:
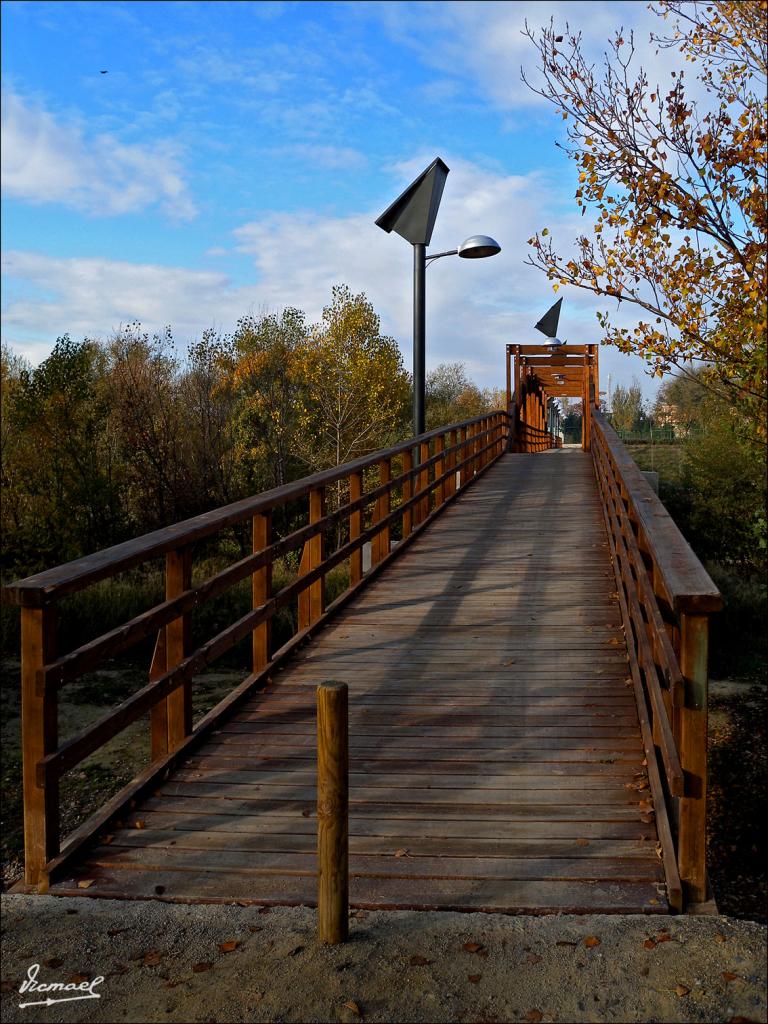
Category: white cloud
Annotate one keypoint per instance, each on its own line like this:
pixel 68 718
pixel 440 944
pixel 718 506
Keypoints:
pixel 45 160
pixel 484 42
pixel 47 297
pixel 474 308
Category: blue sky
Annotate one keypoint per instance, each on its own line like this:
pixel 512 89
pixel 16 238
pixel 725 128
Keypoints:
pixel 235 156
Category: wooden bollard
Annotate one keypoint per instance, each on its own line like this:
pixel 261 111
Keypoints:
pixel 332 813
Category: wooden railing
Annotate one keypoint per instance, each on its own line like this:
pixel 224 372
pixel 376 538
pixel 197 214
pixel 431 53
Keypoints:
pixel 526 437
pixel 666 599
pixel 403 487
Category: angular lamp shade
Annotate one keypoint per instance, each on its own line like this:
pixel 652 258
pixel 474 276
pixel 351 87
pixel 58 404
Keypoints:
pixel 548 323
pixel 413 214
pixel 478 246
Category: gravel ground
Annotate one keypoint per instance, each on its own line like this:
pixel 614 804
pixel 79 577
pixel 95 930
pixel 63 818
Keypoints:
pixel 172 962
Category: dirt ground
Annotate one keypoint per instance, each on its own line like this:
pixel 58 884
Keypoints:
pixel 170 962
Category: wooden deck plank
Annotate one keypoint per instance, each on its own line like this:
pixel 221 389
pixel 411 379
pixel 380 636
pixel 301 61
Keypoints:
pixel 494 740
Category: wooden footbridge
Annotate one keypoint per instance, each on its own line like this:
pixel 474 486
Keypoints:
pixel 526 659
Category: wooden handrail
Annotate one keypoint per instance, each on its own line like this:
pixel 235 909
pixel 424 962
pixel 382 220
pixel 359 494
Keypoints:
pixel 686 583
pixel 37 590
pixel 449 459
pixel 666 597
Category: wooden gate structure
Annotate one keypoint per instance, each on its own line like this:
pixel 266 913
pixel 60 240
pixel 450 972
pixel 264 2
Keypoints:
pixel 526 658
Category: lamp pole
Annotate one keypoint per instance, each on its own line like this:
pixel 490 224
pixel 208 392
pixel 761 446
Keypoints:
pixel 412 216
pixel 419 336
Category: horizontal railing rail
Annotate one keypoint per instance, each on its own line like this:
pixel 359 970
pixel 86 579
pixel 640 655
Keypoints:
pixel 429 471
pixel 666 598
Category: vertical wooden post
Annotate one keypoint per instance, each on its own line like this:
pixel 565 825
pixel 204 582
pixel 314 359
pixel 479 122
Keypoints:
pixel 586 409
pixel 463 454
pixel 39 737
pixel 424 481
pixel 332 812
pixel 312 600
pixel 692 745
pixel 178 578
pixel 355 528
pixel 439 470
pixel 158 715
pixel 261 591
pixel 380 546
pixel 450 465
pixel 407 493
pixel 509 378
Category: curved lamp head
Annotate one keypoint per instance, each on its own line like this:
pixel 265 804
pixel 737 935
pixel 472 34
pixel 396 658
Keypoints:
pixel 478 246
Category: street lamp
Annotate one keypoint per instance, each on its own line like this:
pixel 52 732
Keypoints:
pixel 412 216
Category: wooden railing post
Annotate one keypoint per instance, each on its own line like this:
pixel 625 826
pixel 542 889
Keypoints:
pixel 692 746
pixel 439 470
pixel 380 545
pixel 463 454
pixel 39 737
pixel 423 505
pixel 450 466
pixel 178 578
pixel 407 493
pixel 312 600
pixel 261 588
pixel 332 813
pixel 355 528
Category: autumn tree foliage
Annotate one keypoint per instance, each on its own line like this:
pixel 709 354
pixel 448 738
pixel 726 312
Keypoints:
pixel 676 181
pixel 354 388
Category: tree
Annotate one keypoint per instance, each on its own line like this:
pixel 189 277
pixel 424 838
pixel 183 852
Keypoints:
pixel 60 486
pixel 266 376
pixel 151 427
pixel 451 396
pixel 678 187
pixel 355 389
pixel 209 403
pixel 628 407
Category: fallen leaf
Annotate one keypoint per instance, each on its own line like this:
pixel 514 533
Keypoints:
pixel 647 819
pixel 419 961
pixel 473 947
pixel 654 901
pixel 649 944
pixel 534 1016
pixel 255 928
pixel 53 962
pixel 139 823
pixel 85 883
pixel 645 805
pixel 152 958
pixel 106 840
pixel 740 1020
pixel 533 959
pixel 719 937
pixel 199 968
pixel 228 946
pixel 582 842
pixel 352 1005
pixel 565 942
pixel 729 976
pixel 474 978
pixel 78 979
pixel 663 937
pixel 682 990
pixel 402 852
pixel 591 941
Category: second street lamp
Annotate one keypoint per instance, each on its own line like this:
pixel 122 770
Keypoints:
pixel 412 216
